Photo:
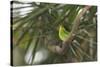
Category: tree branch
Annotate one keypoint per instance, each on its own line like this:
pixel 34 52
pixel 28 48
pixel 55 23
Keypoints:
pixel 75 27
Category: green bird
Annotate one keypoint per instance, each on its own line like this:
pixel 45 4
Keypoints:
pixel 63 33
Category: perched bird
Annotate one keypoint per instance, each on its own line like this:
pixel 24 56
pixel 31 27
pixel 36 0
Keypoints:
pixel 63 33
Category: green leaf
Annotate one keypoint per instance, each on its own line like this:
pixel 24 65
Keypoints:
pixel 63 34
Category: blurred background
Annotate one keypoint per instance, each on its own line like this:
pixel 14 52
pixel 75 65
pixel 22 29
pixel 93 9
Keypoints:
pixel 35 33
